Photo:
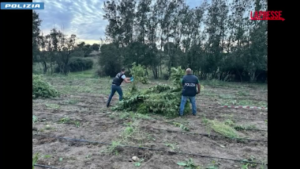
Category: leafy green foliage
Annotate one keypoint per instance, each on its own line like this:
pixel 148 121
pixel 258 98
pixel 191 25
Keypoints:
pixel 181 126
pixel 222 128
pixel 160 99
pixel 35 159
pixel 138 163
pixel 113 146
pixel 34 118
pixel 213 165
pixel 42 89
pixel 139 73
pixel 79 64
pixel 246 163
pixel 188 164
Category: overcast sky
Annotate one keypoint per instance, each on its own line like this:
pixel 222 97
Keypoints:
pixel 81 17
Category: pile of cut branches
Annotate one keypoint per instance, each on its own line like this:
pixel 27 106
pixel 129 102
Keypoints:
pixel 161 99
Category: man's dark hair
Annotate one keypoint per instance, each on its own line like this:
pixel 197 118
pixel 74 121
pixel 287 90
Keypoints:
pixel 123 69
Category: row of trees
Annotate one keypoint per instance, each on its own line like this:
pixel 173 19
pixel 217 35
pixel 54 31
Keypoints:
pixel 55 49
pixel 216 39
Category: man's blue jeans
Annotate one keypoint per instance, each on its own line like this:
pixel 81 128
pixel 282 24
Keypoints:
pixel 114 89
pixel 183 102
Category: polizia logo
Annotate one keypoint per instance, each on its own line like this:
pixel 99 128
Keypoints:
pixel 22 5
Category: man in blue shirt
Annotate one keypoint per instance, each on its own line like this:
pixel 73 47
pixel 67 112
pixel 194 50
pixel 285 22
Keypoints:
pixel 189 82
pixel 116 86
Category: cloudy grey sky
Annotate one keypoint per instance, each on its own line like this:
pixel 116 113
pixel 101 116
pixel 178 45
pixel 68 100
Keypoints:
pixel 81 17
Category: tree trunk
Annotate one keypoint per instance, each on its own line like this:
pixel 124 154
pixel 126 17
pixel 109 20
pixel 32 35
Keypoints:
pixel 45 67
pixel 154 70
pixel 238 72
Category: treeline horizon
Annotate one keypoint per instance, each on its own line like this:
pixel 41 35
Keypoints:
pixel 217 39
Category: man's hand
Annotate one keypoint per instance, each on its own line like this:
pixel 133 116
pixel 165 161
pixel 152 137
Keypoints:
pixel 199 88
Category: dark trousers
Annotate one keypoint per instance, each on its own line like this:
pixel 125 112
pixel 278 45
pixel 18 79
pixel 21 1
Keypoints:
pixel 114 89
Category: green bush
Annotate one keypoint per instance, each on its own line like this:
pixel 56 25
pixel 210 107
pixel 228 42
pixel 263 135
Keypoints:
pixel 42 89
pixel 79 64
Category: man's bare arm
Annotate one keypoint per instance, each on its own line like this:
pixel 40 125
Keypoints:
pixel 199 88
pixel 127 80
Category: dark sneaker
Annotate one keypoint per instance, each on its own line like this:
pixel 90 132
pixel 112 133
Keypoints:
pixel 194 114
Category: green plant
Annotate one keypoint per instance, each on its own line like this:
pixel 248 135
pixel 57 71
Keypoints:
pixel 42 89
pixel 128 131
pixel 143 116
pixel 139 74
pixel 213 165
pixel 245 166
pixel 34 118
pixel 231 123
pixel 47 156
pixel 113 146
pixel 181 126
pixel 138 163
pixel 222 128
pixel 172 146
pixel 160 99
pixel 64 120
pixel 35 159
pixel 188 164
pixel 77 123
pixel 245 127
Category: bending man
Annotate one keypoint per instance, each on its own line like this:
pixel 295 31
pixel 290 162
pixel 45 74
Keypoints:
pixel 116 86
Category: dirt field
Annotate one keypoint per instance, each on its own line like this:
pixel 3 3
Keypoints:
pixel 80 113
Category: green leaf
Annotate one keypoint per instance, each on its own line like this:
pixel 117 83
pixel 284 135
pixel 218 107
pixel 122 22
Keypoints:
pixel 137 164
pixel 34 118
pixel 182 163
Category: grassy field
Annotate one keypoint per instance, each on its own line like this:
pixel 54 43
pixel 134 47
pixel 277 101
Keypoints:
pixel 80 113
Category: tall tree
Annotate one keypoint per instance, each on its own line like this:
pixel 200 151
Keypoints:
pixel 142 14
pixel 113 28
pixel 36 22
pixel 257 52
pixel 217 15
pixel 126 10
pixel 109 59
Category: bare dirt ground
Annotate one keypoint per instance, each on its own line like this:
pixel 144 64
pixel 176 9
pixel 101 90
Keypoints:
pixel 80 113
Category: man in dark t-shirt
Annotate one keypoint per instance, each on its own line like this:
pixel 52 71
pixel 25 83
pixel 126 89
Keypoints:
pixel 116 86
pixel 189 82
